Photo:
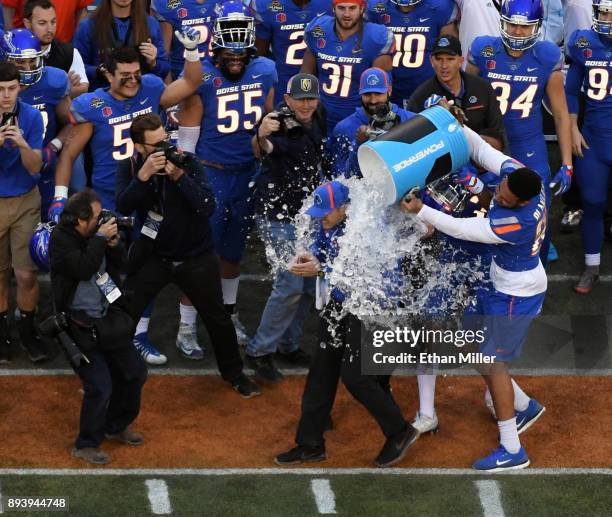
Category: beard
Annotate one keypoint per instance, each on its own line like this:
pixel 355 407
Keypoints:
pixel 229 66
pixel 380 108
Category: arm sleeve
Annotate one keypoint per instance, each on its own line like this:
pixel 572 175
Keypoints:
pixel 130 191
pixel 78 67
pixel 483 154
pixel 195 188
pixel 475 229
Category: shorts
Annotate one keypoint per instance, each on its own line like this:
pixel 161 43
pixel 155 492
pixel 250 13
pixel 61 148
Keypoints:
pixel 233 218
pixel 19 216
pixel 505 320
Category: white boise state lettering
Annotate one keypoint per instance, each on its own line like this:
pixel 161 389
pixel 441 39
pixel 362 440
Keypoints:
pixel 129 116
pixel 295 26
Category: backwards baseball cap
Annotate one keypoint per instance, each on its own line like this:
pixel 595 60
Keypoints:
pixel 374 80
pixel 446 45
pixel 328 197
pixel 303 86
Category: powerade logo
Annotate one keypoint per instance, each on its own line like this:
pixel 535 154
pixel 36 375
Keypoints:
pixel 418 156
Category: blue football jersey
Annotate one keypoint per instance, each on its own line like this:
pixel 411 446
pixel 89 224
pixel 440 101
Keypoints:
pixel 282 23
pixel 341 63
pixel 232 110
pixel 591 71
pixel 111 119
pixel 520 83
pixel 524 228
pixel 415 33
pixel 45 95
pixel 182 14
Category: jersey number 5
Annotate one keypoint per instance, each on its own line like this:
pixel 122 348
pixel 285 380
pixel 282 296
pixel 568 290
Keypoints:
pixel 225 112
pixel 120 139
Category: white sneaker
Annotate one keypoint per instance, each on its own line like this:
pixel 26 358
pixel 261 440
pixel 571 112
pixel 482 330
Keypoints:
pixel 241 332
pixel 424 424
pixel 187 342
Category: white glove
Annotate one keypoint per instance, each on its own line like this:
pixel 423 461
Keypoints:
pixel 188 37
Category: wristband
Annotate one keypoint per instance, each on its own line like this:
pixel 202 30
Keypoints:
pixel 61 191
pixel 57 143
pixel 192 55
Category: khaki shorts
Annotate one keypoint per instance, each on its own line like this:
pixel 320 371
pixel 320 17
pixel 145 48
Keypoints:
pixel 18 219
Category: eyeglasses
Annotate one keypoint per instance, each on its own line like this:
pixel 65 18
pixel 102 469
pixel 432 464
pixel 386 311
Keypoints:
pixel 166 139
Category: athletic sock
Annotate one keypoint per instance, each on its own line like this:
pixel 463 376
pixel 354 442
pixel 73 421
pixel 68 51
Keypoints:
pixel 143 325
pixel 427 394
pixel 521 400
pixel 508 435
pixel 230 290
pixel 592 259
pixel 188 314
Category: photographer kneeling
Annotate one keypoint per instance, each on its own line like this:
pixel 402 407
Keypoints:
pixel 290 143
pixel 85 258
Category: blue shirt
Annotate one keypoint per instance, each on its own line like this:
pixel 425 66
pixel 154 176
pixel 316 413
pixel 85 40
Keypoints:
pixel 325 248
pixel 15 180
pixel 45 95
pixel 232 110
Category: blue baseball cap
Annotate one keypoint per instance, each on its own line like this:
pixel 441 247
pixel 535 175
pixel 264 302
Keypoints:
pixel 374 80
pixel 328 197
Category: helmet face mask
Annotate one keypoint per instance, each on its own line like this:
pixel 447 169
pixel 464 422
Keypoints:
pixel 600 26
pixel 406 3
pixel 20 46
pixel 233 27
pixel 526 13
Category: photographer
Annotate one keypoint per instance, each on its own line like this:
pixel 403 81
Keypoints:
pixel 376 116
pixel 85 258
pixel 169 191
pixel 290 141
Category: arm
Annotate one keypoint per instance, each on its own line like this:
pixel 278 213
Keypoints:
pixel 69 260
pixel 484 154
pixel 556 94
pixel 450 29
pixel 262 46
pixel 130 191
pixel 195 188
pixel 573 83
pixel 385 62
pixel 62 110
pixel 167 33
pixel 309 64
pixel 260 143
pixel 77 138
pixel 471 68
pixel 494 120
pixel 78 76
pixel 182 88
pixel 269 104
pixel 29 142
pixel 161 67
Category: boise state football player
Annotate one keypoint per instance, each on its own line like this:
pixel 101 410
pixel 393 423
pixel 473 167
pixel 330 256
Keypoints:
pixel 177 15
pixel 515 226
pixel 45 88
pixel 522 70
pixel 219 122
pixel 339 49
pixel 590 71
pixel 415 25
pixel 279 32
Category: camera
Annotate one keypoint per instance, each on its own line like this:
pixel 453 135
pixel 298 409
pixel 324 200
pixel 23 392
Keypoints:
pixel 123 223
pixel 289 125
pixel 56 327
pixel 172 154
pixel 383 120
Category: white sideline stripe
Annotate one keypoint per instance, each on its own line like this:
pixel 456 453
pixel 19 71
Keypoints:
pixel 574 278
pixel 490 498
pixel 324 496
pixel 302 472
pixel 157 491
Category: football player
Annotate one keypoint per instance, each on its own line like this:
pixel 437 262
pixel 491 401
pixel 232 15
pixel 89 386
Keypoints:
pixel 217 124
pixel 280 33
pixel 48 90
pixel 522 70
pixel 591 71
pixel 339 49
pixel 415 25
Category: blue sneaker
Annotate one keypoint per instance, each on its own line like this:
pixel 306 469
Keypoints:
pixel 500 459
pixel 553 254
pixel 146 349
pixel 525 419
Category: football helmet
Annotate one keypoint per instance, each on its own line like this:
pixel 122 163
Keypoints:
pixel 233 27
pixel 39 245
pixel 602 27
pixel 521 12
pixel 20 45
pixel 406 3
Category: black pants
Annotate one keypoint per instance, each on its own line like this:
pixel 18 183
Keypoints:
pixel 199 278
pixel 112 382
pixel 329 364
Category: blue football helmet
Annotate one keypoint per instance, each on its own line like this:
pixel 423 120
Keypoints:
pixel 39 245
pixel 20 46
pixel 406 3
pixel 601 27
pixel 233 27
pixel 521 12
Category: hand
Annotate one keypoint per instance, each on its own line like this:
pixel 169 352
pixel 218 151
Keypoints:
pixel 362 135
pixel 269 124
pixel 578 142
pixel 149 52
pixel 74 78
pixel 56 208
pixel 13 133
pixel 49 157
pixel 155 162
pixel 173 172
pixel 411 204
pixel 467 177
pixel 108 229
pixel 563 178
pixel 189 38
pixel 305 264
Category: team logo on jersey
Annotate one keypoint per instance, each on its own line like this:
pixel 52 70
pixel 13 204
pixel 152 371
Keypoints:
pixel 96 102
pixel 513 66
pixel 491 64
pixel 487 51
pixel 107 111
pixel 588 53
pixel 472 99
pixel 583 42
pixel 217 81
pixel 206 76
pixel 275 6
pixel 173 4
pixel 379 8
pixel 182 13
pixel 321 43
pixel 385 19
pixel 318 32
pixel 281 17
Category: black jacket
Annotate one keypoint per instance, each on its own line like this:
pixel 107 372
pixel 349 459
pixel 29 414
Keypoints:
pixel 74 258
pixel 186 206
pixel 479 103
pixel 61 56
